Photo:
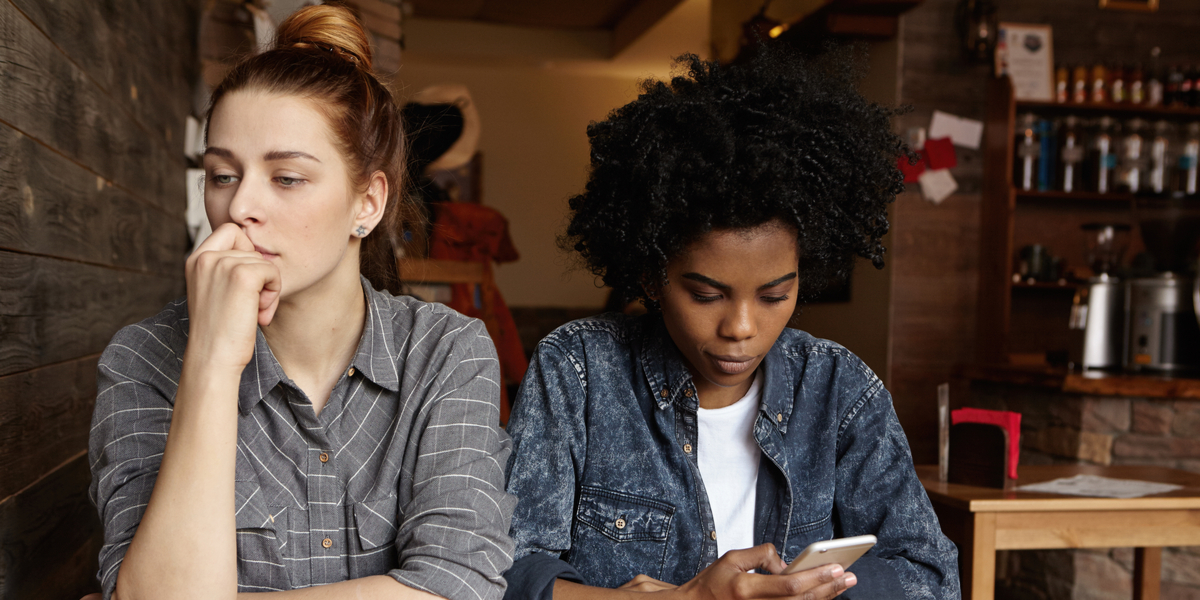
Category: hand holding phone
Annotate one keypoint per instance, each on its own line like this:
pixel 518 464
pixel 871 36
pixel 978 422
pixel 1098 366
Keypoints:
pixel 842 551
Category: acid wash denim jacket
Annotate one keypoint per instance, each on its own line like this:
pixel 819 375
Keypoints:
pixel 604 465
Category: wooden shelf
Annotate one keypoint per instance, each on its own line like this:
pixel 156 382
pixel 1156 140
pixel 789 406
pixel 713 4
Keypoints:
pixel 1073 196
pixel 1100 383
pixel 1141 110
pixel 1046 285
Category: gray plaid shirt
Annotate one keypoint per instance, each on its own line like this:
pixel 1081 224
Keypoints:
pixel 401 474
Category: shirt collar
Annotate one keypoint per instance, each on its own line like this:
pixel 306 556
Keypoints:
pixel 670 381
pixel 373 359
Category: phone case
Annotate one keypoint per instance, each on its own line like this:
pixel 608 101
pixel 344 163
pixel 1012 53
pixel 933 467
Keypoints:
pixel 842 551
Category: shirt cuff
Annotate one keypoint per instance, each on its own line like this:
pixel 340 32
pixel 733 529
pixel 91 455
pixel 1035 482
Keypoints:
pixel 533 577
pixel 877 580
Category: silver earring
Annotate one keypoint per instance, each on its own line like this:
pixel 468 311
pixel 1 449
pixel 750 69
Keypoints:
pixel 361 231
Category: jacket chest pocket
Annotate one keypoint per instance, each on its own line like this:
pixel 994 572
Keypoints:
pixel 262 539
pixel 803 534
pixel 619 536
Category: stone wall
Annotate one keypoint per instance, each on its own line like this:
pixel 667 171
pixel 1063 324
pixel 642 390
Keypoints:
pixel 1059 428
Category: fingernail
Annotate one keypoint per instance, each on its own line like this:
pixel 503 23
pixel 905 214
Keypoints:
pixel 851 580
pixel 836 571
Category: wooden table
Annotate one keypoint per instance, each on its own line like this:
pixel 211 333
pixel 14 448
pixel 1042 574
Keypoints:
pixel 984 520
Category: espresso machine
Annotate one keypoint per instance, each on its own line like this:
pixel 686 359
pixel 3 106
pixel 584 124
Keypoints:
pixel 1098 312
pixel 1162 332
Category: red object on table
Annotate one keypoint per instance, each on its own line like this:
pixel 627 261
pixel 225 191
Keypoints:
pixel 1010 421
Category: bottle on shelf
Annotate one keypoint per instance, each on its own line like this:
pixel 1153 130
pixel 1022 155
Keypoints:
pixel 1070 152
pixel 1028 149
pixel 1048 156
pixel 1154 82
pixel 1187 86
pixel 1062 84
pixel 1079 84
pixel 1137 85
pixel 1175 78
pixel 1128 175
pixel 1116 83
pixel 1101 157
pixel 1193 86
pixel 1099 84
pixel 1189 157
pixel 1156 177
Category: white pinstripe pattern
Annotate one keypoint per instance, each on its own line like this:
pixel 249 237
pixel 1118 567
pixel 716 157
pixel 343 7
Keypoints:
pixel 414 484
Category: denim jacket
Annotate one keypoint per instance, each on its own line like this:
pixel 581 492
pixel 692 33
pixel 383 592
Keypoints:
pixel 604 465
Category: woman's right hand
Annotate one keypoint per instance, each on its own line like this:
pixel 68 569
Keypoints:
pixel 231 290
pixel 733 577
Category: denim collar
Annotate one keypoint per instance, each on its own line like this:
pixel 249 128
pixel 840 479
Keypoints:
pixel 671 382
pixel 374 358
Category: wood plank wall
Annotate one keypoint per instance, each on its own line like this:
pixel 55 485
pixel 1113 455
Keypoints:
pixel 93 97
pixel 935 248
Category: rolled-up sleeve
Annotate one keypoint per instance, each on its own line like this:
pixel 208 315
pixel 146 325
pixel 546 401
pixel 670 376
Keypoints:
pixel 137 375
pixel 453 533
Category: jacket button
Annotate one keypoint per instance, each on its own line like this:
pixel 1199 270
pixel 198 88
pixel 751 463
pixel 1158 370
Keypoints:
pixel 327 543
pixel 779 417
pixel 664 393
pixel 324 457
pixel 620 523
pixel 712 534
pixel 688 392
pixel 687 448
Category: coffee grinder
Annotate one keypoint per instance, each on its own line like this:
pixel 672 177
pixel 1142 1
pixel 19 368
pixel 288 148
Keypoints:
pixel 1162 331
pixel 1098 312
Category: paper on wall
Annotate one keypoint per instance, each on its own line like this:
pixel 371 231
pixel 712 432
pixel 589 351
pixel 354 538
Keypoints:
pixel 963 132
pixel 937 184
pixel 197 219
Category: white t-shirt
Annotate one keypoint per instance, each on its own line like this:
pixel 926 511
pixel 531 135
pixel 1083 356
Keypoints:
pixel 728 456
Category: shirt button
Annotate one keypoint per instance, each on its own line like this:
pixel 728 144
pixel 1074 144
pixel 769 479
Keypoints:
pixel 779 417
pixel 328 543
pixel 664 393
pixel 350 373
pixel 688 392
pixel 711 534
pixel 687 448
pixel 620 523
pixel 324 457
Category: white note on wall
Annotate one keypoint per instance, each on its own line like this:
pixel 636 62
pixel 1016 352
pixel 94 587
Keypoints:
pixel 961 131
pixel 937 184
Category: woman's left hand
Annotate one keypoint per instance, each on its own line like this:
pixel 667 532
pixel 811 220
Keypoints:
pixel 645 583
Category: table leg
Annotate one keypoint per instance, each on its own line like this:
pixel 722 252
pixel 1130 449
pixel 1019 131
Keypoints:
pixel 979 559
pixel 1147 573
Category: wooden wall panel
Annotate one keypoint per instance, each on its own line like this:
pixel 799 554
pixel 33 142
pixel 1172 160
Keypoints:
pixel 93 97
pixel 47 97
pixel 54 207
pixel 935 253
pixel 44 419
pixel 55 310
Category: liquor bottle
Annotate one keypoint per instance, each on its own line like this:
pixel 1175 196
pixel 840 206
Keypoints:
pixel 1193 86
pixel 1154 86
pixel 1099 84
pixel 1186 86
pixel 1159 151
pixel 1028 149
pixel 1116 86
pixel 1189 156
pixel 1101 158
pixel 1136 84
pixel 1128 175
pixel 1079 85
pixel 1175 79
pixel 1061 84
pixel 1070 152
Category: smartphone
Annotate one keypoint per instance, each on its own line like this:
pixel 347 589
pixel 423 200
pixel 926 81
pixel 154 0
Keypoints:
pixel 842 551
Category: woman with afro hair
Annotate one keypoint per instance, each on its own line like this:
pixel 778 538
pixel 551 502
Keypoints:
pixel 694 451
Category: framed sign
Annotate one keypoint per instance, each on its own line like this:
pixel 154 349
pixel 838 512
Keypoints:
pixel 1142 5
pixel 1025 52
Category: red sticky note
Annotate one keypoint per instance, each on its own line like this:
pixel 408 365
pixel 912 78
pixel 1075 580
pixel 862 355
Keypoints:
pixel 1009 420
pixel 912 173
pixel 939 153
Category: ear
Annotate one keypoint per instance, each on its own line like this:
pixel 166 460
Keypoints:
pixel 373 202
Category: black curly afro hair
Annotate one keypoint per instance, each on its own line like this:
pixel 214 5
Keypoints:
pixel 781 137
